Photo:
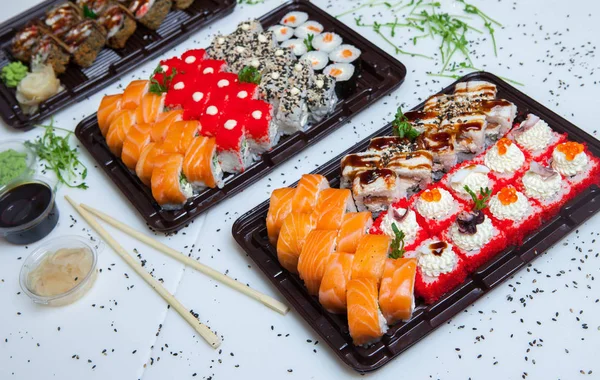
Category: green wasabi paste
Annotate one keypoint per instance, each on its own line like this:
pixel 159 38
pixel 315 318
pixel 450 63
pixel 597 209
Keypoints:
pixel 13 73
pixel 12 165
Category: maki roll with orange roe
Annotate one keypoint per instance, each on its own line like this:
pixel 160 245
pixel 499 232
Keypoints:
pixel 232 145
pixel 536 137
pixel 170 187
pixel 573 161
pixel 261 129
pixel 506 162
pixel 193 58
pixel 437 207
pixel 400 216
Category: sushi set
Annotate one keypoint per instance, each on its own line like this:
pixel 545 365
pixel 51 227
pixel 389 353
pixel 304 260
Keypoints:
pixel 214 121
pixel 397 235
pixel 89 44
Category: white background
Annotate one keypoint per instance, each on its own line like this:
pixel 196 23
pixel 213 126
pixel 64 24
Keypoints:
pixel 533 326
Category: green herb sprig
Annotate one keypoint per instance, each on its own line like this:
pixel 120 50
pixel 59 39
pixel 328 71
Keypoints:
pixel 481 200
pixel 59 156
pixel 397 247
pixel 249 74
pixel 88 13
pixel 308 42
pixel 402 127
pixel 155 86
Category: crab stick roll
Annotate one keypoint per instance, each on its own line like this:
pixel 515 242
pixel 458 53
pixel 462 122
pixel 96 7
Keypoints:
pixel 164 122
pixel 370 256
pixel 133 94
pixel 307 192
pixel 332 205
pixel 136 140
pixel 150 108
pixel 146 162
pixel 170 188
pixel 365 321
pixel 354 226
pixel 332 292
pixel 292 236
pixel 396 292
pixel 118 131
pixel 234 152
pixel 201 165
pixel 280 206
pixel 313 260
pixel 180 136
pixel 109 107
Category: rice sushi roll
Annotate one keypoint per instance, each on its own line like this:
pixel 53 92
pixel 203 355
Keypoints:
pixel 365 321
pixel 138 137
pixel 370 256
pixel 261 129
pixel 344 54
pixel 332 205
pixel 438 208
pixel 396 292
pixel 180 136
pixel 119 25
pixel 25 40
pixel 313 260
pixel 294 19
pixel 309 27
pixel 85 40
pixel 220 47
pixel 332 292
pixel 355 226
pixel 118 130
pixel 344 75
pixel 374 190
pixel 280 206
pixel 50 52
pixel 355 163
pixel 292 113
pixel 282 33
pixel 150 13
pixel 403 218
pixel 62 18
pixel 302 76
pixel 307 192
pixel 321 97
pixel 250 26
pixel 514 213
pixel 212 66
pixel 317 59
pixel 201 165
pixel 170 187
pixel 327 42
pixel 280 58
pixel 109 107
pixel 292 236
pixel 232 145
pixel 296 45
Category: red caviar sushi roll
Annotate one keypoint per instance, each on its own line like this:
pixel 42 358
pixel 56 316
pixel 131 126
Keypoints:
pixel 506 162
pixel 261 128
pixel 170 67
pixel 401 215
pixel 195 105
pixel 193 58
pixel 212 66
pixel 170 188
pixel 223 85
pixel 474 176
pixel 210 119
pixel 338 272
pixel 180 90
pixel 437 207
pixel 234 152
pixel 245 91
pixel 535 137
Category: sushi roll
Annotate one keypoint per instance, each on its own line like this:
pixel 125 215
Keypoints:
pixel 317 59
pixel 180 90
pixel 345 54
pixel 374 190
pixel 150 108
pixel 294 19
pixel 238 56
pixel 292 236
pixel 182 4
pixel 212 66
pixel 365 320
pixel 573 161
pixel 500 115
pixel 536 137
pixel 51 52
pixel 147 161
pixel 222 86
pixel 96 6
pixel 332 205
pixel 250 26
pixel 313 260
pixel 546 187
pixel 307 192
pixel 469 129
pixel 355 163
pixel 438 208
pixel 62 18
pixel 280 206
pixel 280 58
pixel 201 164
pixel 404 219
pixel 296 45
pixel 219 47
pixel 150 13
pixel 506 161
pixel 327 42
pixel 210 119
pixel 119 127
pixel 282 33
pixel 309 27
pixel 396 292
pixel 170 187
pixel 109 107
pixel 480 90
pixel 263 43
pixel 513 213
pixel 321 97
pixel 85 40
pixel 232 145
pixel 25 40
pixel 245 91
pixel 414 169
pixel 302 76
pixel 273 84
pixel 332 292
pixel 180 136
pixel 355 226
pixel 119 25
pixel 474 176
pixel 370 256
pixel 138 137
pixel 292 112
pixel 344 75
pixel 261 129
pixel 163 123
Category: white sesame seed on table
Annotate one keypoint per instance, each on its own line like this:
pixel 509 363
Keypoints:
pixel 543 323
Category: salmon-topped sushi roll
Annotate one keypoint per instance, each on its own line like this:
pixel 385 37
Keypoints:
pixel 133 94
pixel 118 131
pixel 396 292
pixel 110 105
pixel 146 162
pixel 307 192
pixel 170 188
pixel 164 122
pixel 180 136
pixel 332 205
pixel 292 236
pixel 280 206
pixel 136 140
pixel 332 293
pixel 370 256
pixel 318 247
pixel 354 226
pixel 365 321
pixel 150 108
pixel 201 165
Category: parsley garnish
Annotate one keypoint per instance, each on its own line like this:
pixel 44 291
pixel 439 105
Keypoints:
pixel 308 42
pixel 249 74
pixel 155 86
pixel 402 127
pixel 88 13
pixel 481 200
pixel 397 248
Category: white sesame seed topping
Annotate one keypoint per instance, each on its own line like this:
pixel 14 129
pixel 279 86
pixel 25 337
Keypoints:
pixel 257 114
pixel 279 52
pixel 220 40
pixel 240 49
pixel 212 110
pixel 298 67
pixel 197 96
pixel 230 124
pixel 245 26
pixel 295 91
pixel 190 59
pixel 320 83
pixel 255 63
pixel 275 75
pixel 262 38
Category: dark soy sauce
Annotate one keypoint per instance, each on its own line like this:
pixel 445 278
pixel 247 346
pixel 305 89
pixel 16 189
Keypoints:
pixel 29 205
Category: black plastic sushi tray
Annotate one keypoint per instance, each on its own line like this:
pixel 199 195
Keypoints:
pixel 251 234
pixel 380 74
pixel 110 64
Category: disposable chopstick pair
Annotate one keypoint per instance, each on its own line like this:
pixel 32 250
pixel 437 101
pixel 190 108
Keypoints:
pixel 202 329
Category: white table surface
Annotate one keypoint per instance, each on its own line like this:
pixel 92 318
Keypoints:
pixel 544 323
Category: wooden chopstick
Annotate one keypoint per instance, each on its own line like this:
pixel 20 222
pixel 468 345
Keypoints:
pixel 262 298
pixel 202 329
